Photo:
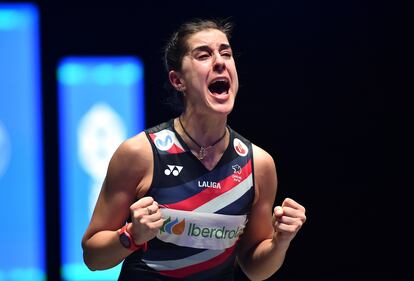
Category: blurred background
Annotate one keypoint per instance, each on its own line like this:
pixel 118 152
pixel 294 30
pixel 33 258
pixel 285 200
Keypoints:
pixel 322 88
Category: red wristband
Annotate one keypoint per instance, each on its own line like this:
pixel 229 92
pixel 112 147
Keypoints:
pixel 128 242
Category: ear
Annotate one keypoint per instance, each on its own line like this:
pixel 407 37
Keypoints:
pixel 176 81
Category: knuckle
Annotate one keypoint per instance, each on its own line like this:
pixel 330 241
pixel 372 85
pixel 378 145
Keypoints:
pixel 136 216
pixel 293 228
pixel 154 227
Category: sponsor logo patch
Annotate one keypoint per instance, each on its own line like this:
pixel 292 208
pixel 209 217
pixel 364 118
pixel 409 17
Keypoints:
pixel 173 169
pixel 173 226
pixel 200 230
pixel 240 147
pixel 237 170
pixel 176 227
pixel 164 140
pixel 209 184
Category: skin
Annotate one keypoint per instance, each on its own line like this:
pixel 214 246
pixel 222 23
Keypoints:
pixel 269 232
pixel 209 58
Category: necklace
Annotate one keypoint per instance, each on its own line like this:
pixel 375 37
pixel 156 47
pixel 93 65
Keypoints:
pixel 203 150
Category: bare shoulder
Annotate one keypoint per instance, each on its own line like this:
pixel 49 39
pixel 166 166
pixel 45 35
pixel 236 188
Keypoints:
pixel 134 148
pixel 263 161
pixel 128 174
pixel 265 178
pixel 131 161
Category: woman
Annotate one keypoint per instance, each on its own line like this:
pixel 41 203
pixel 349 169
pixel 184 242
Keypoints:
pixel 196 194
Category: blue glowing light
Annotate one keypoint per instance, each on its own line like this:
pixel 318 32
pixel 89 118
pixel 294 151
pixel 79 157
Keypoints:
pixel 22 253
pixel 101 103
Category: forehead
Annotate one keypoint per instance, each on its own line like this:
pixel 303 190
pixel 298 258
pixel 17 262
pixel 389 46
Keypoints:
pixel 208 37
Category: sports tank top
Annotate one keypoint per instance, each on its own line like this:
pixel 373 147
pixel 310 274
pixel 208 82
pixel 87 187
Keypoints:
pixel 204 211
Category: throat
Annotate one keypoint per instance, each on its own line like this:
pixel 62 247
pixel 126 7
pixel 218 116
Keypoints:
pixel 203 151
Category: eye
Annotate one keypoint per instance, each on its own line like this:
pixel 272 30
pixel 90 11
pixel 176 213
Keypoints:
pixel 203 56
pixel 226 54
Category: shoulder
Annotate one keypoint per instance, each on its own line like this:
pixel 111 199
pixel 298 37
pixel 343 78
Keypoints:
pixel 265 177
pixel 137 145
pixel 263 161
pixel 132 157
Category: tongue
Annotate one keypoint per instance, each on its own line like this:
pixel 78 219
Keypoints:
pixel 218 92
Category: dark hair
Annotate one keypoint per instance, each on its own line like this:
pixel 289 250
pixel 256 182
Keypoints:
pixel 176 48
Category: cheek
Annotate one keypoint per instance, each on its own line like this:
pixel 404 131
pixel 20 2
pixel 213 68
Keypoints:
pixel 235 82
pixel 236 86
pixel 233 73
pixel 198 75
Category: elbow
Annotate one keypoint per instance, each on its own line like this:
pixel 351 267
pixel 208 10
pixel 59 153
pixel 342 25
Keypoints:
pixel 257 276
pixel 89 262
pixel 96 259
pixel 88 257
pixel 94 265
pixel 255 273
pixel 95 262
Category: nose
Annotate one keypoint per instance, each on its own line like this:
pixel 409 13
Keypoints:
pixel 219 63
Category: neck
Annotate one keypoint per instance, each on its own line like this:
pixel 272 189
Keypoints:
pixel 205 131
pixel 206 140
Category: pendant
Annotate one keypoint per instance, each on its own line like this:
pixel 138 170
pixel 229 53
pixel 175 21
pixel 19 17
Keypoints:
pixel 202 153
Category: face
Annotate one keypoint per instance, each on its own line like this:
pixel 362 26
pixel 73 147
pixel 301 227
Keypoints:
pixel 208 75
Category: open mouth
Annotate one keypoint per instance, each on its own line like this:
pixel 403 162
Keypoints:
pixel 219 87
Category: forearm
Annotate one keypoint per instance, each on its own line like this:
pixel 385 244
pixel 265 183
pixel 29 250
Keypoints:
pixel 103 250
pixel 264 259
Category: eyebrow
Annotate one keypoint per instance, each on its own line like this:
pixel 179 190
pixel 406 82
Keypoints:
pixel 207 48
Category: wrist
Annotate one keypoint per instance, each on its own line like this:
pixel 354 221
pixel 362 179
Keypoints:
pixel 280 241
pixel 127 240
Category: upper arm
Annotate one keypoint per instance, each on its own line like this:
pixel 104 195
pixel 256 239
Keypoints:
pixel 129 171
pixel 259 226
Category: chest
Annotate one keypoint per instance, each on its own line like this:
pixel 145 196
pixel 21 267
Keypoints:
pixel 183 184
pixel 180 181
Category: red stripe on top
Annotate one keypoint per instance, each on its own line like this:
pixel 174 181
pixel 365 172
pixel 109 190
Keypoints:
pixel 175 149
pixel 191 269
pixel 153 136
pixel 209 194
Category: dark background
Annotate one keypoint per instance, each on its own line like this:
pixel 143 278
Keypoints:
pixel 322 88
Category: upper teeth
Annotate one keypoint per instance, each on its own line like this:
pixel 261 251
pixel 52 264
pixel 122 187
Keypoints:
pixel 220 80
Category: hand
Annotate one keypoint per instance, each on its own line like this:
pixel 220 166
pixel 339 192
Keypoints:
pixel 146 220
pixel 288 219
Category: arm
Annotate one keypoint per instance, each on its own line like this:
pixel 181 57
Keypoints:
pixel 263 245
pixel 128 178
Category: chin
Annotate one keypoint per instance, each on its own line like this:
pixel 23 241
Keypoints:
pixel 223 109
pixel 222 105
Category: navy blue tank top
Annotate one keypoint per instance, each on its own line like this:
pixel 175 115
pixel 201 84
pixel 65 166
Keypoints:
pixel 204 211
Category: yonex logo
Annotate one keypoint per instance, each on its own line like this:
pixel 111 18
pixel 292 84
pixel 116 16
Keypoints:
pixel 173 226
pixel 173 169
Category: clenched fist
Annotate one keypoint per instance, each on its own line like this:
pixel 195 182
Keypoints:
pixel 146 220
pixel 288 219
